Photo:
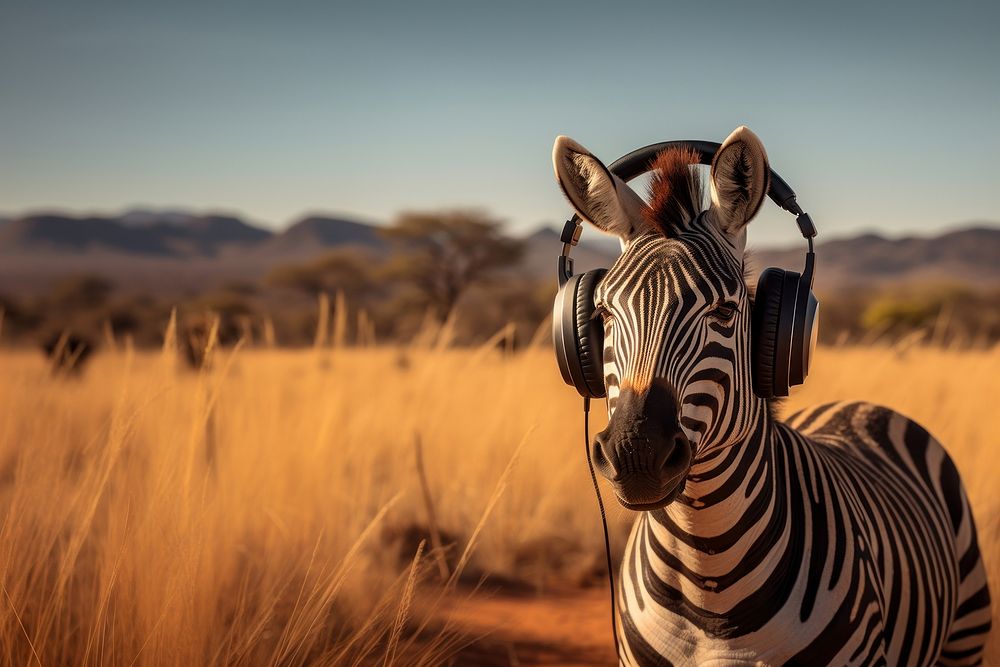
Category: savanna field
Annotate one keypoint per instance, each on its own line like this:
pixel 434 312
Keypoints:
pixel 356 505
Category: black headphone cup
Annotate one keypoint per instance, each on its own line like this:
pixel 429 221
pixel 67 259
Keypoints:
pixel 783 332
pixel 562 343
pixel 765 319
pixel 812 334
pixel 590 335
pixel 577 336
pixel 806 333
pixel 787 328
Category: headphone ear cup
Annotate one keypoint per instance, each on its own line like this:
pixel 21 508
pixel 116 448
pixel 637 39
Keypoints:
pixel 590 335
pixel 766 316
pixel 804 341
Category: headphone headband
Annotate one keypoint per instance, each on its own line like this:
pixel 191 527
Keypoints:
pixel 639 161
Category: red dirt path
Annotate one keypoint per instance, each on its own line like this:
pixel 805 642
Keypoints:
pixel 562 628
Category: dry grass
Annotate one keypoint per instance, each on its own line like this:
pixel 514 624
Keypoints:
pixel 262 512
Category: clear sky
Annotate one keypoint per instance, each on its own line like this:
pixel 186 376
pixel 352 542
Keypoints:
pixel 880 117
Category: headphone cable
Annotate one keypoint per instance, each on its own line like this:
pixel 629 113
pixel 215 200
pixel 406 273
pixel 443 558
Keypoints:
pixel 604 521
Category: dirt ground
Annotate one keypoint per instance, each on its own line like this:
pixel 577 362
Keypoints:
pixel 558 628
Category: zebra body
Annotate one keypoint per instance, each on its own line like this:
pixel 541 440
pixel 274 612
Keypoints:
pixel 842 536
pixel 868 559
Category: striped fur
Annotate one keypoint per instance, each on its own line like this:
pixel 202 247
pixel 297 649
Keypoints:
pixel 842 536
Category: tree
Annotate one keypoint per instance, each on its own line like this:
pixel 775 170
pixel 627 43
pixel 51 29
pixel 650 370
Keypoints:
pixel 347 270
pixel 298 277
pixel 442 254
pixel 86 291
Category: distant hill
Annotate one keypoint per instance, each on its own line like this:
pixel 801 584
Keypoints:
pixel 176 251
pixel 143 217
pixel 163 251
pixel 203 235
pixel 968 256
pixel 303 238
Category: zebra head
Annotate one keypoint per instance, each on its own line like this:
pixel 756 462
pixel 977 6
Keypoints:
pixel 675 308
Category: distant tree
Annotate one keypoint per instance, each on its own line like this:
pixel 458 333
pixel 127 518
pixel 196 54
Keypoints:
pixel 240 287
pixel 889 313
pixel 442 254
pixel 17 317
pixel 81 292
pixel 523 303
pixel 224 303
pixel 347 270
pixel 298 277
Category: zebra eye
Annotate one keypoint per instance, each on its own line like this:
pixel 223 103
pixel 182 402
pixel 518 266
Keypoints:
pixel 724 312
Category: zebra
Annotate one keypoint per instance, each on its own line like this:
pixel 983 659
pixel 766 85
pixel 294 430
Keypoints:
pixel 841 536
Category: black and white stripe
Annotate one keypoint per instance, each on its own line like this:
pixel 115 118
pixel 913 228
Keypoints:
pixel 842 536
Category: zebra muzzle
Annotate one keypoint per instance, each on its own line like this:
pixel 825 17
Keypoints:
pixel 643 452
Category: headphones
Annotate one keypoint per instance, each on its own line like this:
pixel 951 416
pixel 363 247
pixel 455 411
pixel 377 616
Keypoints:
pixel 784 319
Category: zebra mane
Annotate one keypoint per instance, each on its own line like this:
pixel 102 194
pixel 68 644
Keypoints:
pixel 676 191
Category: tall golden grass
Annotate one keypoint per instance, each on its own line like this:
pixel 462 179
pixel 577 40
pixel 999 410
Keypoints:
pixel 269 510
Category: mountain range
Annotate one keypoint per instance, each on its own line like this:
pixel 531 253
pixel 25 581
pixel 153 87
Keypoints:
pixel 173 250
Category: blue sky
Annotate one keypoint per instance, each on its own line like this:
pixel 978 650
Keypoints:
pixel 881 117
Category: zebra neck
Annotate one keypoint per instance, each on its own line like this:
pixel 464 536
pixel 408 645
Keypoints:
pixel 721 530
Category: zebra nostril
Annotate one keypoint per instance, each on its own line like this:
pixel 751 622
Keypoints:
pixel 678 452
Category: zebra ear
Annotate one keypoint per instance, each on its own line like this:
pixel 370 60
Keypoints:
pixel 597 195
pixel 740 179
